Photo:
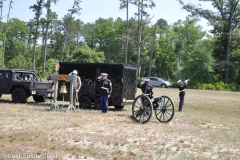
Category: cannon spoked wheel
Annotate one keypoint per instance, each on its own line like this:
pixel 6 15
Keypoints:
pixel 164 110
pixel 142 109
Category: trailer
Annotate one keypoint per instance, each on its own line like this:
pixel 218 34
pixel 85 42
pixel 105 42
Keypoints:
pixel 123 78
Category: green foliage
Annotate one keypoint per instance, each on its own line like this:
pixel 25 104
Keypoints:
pixel 208 86
pixel 216 86
pixel 51 66
pixel 181 50
pixel 86 54
pixel 20 62
pixel 139 80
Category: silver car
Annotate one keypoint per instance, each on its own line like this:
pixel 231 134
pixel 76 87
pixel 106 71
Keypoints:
pixel 156 81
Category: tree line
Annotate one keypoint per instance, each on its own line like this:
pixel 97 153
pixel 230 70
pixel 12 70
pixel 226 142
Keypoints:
pixel 171 51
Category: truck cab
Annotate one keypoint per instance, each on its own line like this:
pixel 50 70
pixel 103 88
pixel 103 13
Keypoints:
pixel 123 78
pixel 17 83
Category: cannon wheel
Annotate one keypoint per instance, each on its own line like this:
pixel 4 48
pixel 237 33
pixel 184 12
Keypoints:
pixel 142 109
pixel 165 109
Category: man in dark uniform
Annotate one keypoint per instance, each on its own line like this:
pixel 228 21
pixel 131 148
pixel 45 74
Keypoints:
pixel 181 87
pixel 105 92
pixel 146 88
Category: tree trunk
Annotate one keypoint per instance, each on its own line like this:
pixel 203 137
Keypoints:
pixel 1 7
pixel 38 14
pixel 177 62
pixel 126 49
pixel 65 42
pixel 46 37
pixel 229 44
pixel 5 34
pixel 151 55
pixel 139 39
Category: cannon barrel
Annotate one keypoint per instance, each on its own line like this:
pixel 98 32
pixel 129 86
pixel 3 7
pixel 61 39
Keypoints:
pixel 157 99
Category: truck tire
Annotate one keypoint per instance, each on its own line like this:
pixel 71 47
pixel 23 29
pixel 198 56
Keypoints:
pixel 39 98
pixel 19 95
pixel 0 95
pixel 119 107
pixel 85 102
pixel 97 104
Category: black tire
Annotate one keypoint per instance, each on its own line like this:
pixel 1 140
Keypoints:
pixel 0 95
pixel 98 104
pixel 119 107
pixel 85 102
pixel 163 85
pixel 19 95
pixel 142 109
pixel 164 111
pixel 39 98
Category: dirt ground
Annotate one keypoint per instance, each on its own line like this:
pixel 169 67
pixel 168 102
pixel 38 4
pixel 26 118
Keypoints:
pixel 208 128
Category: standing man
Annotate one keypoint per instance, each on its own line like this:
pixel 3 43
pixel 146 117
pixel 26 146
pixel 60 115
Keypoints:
pixel 105 92
pixel 181 87
pixel 76 87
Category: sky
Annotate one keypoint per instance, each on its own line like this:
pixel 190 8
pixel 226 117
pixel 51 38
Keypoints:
pixel 170 10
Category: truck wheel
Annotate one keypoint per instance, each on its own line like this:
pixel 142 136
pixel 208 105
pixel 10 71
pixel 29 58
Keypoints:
pixel 119 107
pixel 19 95
pixel 39 98
pixel 97 104
pixel 85 102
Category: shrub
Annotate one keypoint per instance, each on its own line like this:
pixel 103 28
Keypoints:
pixel 139 80
pixel 208 86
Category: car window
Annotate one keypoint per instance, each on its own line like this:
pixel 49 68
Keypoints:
pixel 3 75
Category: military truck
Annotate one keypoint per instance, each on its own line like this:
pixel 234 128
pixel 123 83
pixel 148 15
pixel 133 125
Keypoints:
pixel 123 78
pixel 17 82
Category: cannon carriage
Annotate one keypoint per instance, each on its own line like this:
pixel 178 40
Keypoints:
pixel 143 108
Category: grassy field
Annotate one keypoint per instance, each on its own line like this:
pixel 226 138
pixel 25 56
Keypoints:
pixel 208 128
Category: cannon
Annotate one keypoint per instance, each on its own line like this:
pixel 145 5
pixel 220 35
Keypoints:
pixel 143 108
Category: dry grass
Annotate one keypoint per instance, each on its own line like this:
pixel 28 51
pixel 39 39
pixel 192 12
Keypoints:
pixel 208 128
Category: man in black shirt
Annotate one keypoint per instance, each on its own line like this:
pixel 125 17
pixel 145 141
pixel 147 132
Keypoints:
pixel 146 88
pixel 181 87
pixel 105 92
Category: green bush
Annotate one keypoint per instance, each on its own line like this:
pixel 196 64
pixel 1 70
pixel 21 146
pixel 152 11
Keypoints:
pixel 196 85
pixel 220 86
pixel 139 80
pixel 208 86
pixel 174 84
pixel 233 87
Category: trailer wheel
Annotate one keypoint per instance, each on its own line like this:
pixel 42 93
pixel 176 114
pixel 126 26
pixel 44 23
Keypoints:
pixel 19 95
pixel 119 107
pixel 85 102
pixel 39 98
pixel 97 104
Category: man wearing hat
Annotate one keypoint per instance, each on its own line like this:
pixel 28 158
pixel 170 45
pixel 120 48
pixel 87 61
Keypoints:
pixel 181 87
pixel 105 91
pixel 76 87
pixel 146 88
